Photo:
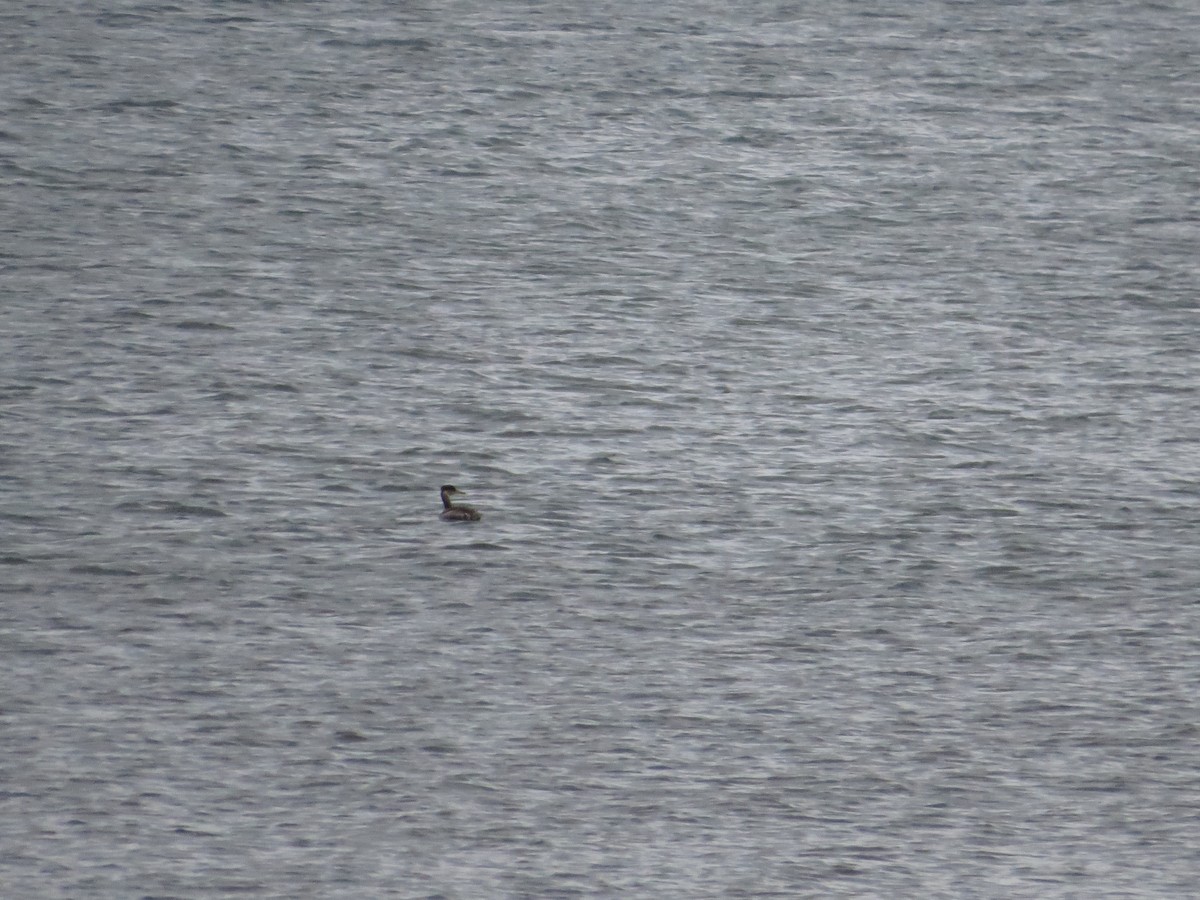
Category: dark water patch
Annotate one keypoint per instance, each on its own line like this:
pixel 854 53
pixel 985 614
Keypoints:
pixel 128 104
pixel 105 571
pixel 203 325
pixel 231 19
pixel 173 508
pixel 419 45
pixel 279 387
pixel 112 19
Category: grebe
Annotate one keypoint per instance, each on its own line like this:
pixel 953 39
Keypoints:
pixel 453 513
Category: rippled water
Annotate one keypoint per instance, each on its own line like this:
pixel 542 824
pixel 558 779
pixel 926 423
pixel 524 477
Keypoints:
pixel 827 378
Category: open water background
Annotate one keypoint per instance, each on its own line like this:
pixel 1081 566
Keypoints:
pixel 827 375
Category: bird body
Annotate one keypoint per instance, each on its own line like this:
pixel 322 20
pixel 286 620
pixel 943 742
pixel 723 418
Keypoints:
pixel 452 513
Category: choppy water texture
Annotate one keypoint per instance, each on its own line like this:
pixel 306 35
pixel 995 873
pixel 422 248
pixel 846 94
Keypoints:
pixel 827 376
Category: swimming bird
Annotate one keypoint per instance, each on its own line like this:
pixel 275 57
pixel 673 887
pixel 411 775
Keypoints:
pixel 452 513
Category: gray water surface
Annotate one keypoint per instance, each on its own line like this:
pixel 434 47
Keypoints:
pixel 827 378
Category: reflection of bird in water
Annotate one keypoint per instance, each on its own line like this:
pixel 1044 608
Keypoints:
pixel 452 513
